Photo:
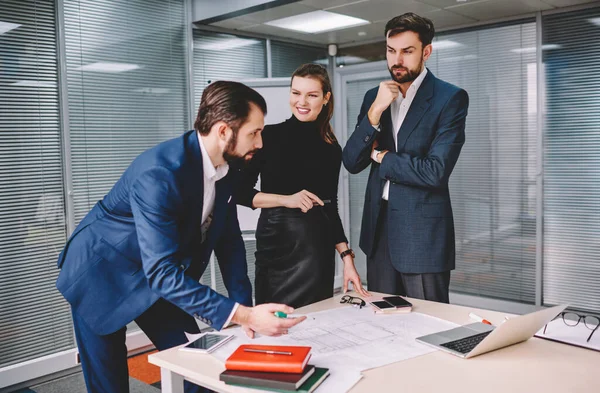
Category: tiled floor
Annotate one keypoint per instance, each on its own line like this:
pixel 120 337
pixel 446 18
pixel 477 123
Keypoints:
pixel 143 378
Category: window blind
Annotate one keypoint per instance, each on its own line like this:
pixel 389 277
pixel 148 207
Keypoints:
pixel 286 57
pixel 357 184
pixel 571 269
pixel 250 243
pixel 127 87
pixel 226 57
pixel 493 186
pixel 34 318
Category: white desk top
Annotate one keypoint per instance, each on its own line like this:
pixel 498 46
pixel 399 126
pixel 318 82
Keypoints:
pixel 536 365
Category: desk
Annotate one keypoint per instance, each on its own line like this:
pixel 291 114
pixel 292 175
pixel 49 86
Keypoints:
pixel 536 365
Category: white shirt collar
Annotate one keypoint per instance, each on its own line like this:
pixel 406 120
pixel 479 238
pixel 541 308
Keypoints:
pixel 416 83
pixel 210 172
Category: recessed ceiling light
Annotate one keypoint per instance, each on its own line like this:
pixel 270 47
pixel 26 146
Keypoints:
pixel 6 26
pixel 317 22
pixel 362 33
pixel 595 21
pixel 445 44
pixel 227 44
pixel 102 66
pixel 531 49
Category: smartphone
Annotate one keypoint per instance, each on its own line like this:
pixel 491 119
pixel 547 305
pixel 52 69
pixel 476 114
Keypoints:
pixel 397 301
pixel 207 343
pixel 382 305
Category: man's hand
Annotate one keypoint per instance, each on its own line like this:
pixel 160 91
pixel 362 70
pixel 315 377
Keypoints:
pixel 388 92
pixel 374 146
pixel 303 200
pixel 380 156
pixel 261 319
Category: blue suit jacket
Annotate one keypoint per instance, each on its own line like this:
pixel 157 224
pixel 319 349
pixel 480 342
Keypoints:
pixel 142 242
pixel 421 227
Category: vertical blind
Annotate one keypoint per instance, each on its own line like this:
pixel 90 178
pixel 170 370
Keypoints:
pixel 34 319
pixel 250 243
pixel 127 87
pixel 285 57
pixel 357 184
pixel 571 270
pixel 493 186
pixel 226 57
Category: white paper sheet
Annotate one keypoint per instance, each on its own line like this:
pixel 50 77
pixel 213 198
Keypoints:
pixel 349 340
pixel 575 335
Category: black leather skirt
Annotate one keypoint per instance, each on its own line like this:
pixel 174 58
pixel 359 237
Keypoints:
pixel 295 260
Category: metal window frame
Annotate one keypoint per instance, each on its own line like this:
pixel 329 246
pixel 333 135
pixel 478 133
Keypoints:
pixel 539 214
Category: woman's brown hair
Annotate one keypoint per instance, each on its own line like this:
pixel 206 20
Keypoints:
pixel 319 73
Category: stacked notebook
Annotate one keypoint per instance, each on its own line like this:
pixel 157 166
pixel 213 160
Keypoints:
pixel 276 368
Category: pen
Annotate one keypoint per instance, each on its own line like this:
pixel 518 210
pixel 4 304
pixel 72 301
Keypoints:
pixel 267 351
pixel 479 319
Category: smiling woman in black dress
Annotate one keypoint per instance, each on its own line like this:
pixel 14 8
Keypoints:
pixel 299 225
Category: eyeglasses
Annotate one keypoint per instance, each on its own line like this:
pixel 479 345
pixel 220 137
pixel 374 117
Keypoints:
pixel 573 319
pixel 355 301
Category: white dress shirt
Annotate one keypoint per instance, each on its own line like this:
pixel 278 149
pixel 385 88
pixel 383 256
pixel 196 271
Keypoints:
pixel 212 175
pixel 399 108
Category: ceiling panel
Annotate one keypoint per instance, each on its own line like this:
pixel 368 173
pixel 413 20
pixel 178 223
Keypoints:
pixel 447 3
pixel 567 3
pixel 324 4
pixel 494 9
pixel 278 32
pixel 282 11
pixel 445 14
pixel 443 19
pixel 233 23
pixel 372 31
pixel 383 9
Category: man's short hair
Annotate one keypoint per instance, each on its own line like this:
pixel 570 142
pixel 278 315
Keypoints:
pixel 229 102
pixel 411 22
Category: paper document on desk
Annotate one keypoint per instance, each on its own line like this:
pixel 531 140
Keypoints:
pixel 349 340
pixel 577 335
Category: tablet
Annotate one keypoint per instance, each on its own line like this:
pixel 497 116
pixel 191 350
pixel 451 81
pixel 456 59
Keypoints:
pixel 207 343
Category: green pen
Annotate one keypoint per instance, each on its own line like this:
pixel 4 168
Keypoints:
pixel 280 314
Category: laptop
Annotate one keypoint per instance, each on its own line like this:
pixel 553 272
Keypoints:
pixel 477 338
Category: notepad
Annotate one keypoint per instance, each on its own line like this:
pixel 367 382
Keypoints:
pixel 285 381
pixel 257 361
pixel 309 386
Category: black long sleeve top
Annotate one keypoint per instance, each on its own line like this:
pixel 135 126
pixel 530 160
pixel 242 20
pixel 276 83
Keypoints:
pixel 295 157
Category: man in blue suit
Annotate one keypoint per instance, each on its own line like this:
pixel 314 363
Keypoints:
pixel 139 253
pixel 410 131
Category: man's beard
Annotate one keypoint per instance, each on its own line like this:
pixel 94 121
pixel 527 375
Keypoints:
pixel 410 75
pixel 234 159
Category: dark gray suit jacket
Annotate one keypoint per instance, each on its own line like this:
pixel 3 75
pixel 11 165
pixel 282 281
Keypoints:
pixel 421 226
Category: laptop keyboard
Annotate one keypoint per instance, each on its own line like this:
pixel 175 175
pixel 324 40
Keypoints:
pixel 466 345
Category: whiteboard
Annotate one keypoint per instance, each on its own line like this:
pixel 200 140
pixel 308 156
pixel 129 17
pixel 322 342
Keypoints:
pixel 278 110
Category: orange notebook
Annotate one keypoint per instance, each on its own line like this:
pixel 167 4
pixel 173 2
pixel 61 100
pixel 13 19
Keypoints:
pixel 269 358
